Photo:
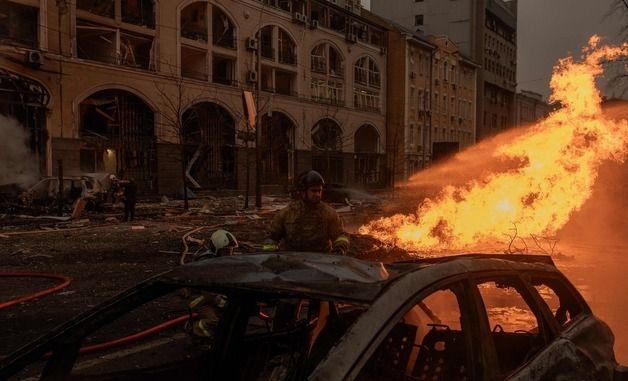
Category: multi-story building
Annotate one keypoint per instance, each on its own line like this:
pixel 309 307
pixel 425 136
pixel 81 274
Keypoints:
pixel 530 108
pixel 155 89
pixel 484 31
pixel 453 123
pixel 408 110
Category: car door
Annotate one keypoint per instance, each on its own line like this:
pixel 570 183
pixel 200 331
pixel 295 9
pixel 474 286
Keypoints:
pixel 526 340
pixel 582 346
pixel 432 338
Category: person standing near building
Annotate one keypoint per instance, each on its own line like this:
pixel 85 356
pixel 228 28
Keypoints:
pixel 130 199
pixel 308 224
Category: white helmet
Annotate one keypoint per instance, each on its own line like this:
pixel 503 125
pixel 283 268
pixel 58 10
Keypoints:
pixel 222 239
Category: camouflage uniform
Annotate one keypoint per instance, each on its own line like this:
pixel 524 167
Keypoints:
pixel 308 227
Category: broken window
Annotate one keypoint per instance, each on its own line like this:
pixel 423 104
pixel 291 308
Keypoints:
pixel 277 145
pixel 222 70
pixel 193 63
pixel 516 328
pixel 268 50
pixel 561 301
pixel 337 21
pixel 138 12
pixel 194 21
pixel 19 24
pixel 223 30
pixel 111 45
pixel 105 8
pixel 428 343
pixel 367 157
pixel 327 150
pixel 284 82
pixel 366 100
pixel 319 12
pixel 286 48
pixel 326 59
pixel 119 127
pixel 210 150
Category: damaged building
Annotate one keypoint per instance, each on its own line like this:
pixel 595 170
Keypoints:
pixel 135 87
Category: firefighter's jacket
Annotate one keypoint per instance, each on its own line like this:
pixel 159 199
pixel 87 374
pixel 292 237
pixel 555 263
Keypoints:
pixel 308 227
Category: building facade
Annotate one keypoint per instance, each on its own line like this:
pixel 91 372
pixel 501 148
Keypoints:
pixel 155 89
pixel 484 31
pixel 531 108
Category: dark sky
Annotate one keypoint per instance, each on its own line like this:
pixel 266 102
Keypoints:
pixel 552 29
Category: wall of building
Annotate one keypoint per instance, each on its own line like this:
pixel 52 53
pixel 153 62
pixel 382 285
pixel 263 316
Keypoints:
pixel 151 71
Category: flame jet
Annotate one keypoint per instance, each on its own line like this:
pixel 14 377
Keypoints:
pixel 557 164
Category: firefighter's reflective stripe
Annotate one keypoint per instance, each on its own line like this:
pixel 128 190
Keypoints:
pixel 270 247
pixel 341 241
pixel 197 302
pixel 201 329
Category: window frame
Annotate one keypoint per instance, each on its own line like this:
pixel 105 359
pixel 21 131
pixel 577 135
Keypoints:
pixel 546 328
pixel 468 320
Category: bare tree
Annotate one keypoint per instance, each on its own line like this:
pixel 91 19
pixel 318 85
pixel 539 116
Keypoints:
pixel 175 120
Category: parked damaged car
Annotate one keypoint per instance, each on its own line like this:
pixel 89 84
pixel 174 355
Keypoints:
pixel 307 316
pixel 92 188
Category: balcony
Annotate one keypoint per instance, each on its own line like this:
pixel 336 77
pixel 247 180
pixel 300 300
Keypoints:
pixel 329 101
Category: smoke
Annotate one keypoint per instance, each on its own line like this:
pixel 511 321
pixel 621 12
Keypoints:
pixel 475 162
pixel 18 165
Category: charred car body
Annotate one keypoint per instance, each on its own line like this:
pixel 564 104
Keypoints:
pixel 307 316
pixel 93 188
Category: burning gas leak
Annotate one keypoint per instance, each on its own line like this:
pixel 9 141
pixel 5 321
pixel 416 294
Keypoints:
pixel 556 166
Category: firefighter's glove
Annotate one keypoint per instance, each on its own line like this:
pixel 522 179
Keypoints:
pixel 270 246
pixel 340 245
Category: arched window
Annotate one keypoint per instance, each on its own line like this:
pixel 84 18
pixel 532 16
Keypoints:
pixel 198 21
pixel 279 60
pixel 367 80
pixel 114 37
pixel 117 130
pixel 327 66
pixel 327 150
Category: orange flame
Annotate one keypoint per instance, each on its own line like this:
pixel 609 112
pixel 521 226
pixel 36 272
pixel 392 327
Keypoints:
pixel 559 158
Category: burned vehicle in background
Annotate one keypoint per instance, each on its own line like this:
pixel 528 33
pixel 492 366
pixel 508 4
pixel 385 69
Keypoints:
pixel 93 188
pixel 308 316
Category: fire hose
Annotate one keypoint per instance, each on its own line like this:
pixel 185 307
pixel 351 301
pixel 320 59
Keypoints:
pixel 65 281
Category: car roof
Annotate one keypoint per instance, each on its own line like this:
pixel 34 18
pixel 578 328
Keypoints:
pixel 331 276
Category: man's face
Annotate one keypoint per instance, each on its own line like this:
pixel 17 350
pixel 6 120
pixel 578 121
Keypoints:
pixel 314 194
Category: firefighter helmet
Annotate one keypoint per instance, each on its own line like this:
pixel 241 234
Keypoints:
pixel 221 241
pixel 310 179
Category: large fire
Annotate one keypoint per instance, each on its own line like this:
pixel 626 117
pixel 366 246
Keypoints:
pixel 557 166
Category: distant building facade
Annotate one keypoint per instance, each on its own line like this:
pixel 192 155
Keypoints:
pixel 484 31
pixel 531 108
pixel 99 85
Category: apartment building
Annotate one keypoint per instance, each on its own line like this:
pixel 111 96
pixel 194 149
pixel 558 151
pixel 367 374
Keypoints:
pixel 485 32
pixel 155 89
pixel 531 108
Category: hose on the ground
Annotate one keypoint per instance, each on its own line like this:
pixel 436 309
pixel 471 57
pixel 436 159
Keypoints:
pixel 65 282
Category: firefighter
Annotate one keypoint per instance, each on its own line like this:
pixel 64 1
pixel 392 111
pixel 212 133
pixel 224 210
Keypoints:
pixel 209 306
pixel 308 224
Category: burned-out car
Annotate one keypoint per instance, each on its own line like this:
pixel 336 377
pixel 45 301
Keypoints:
pixel 307 316
pixel 46 191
